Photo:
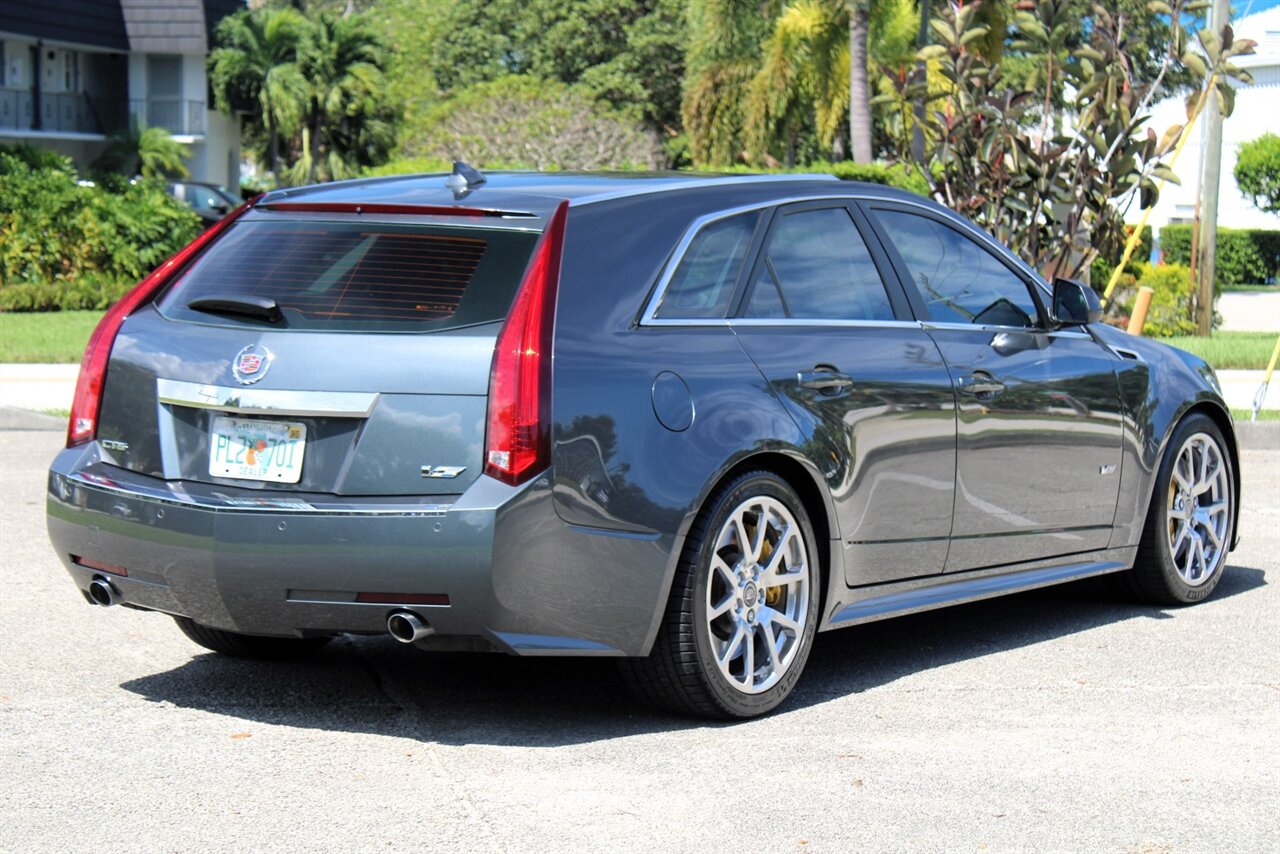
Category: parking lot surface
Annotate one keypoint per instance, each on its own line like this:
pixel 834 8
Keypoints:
pixel 1064 719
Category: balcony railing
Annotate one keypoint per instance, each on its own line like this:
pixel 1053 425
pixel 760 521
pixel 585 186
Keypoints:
pixel 176 115
pixel 60 112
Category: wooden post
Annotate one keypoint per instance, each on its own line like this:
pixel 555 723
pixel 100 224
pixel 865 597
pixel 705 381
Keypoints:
pixel 1141 305
pixel 1211 160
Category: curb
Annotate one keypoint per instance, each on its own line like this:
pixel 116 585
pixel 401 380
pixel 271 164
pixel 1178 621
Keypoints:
pixel 1258 435
pixel 12 418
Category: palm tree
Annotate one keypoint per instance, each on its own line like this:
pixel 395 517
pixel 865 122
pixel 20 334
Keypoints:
pixel 254 68
pixel 341 60
pixel 148 151
pixel 817 59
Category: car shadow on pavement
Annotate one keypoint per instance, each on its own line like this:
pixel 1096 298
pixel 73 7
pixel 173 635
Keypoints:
pixel 377 686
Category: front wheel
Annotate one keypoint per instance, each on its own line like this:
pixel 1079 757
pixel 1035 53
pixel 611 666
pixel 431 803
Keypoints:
pixel 1190 522
pixel 743 609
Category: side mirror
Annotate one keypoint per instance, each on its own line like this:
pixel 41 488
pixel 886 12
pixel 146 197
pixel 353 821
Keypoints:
pixel 218 207
pixel 1074 303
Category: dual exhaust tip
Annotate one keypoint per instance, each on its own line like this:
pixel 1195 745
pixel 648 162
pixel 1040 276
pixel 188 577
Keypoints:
pixel 408 627
pixel 404 626
pixel 104 593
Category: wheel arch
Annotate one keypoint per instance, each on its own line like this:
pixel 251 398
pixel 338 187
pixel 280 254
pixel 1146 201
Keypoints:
pixel 1218 414
pixel 812 491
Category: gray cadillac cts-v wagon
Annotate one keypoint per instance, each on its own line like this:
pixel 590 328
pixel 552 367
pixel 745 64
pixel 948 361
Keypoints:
pixel 684 421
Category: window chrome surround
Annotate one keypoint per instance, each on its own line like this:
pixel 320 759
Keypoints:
pixel 646 188
pixel 648 316
pixel 262 401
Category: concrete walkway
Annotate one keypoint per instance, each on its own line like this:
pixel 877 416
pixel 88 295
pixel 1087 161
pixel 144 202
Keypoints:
pixel 1256 311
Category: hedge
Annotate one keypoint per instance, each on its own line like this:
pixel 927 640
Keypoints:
pixel 1246 256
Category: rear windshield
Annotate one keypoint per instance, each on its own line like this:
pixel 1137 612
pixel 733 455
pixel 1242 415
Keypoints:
pixel 367 276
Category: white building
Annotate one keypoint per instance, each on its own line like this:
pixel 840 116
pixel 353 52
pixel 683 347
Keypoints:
pixel 72 72
pixel 1257 111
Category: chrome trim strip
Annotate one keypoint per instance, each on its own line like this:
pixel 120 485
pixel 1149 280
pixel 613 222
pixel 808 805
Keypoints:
pixel 298 506
pixel 650 187
pixel 261 401
pixel 955 592
pixel 1024 330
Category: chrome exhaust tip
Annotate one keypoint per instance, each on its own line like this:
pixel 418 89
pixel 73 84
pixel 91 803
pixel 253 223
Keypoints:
pixel 104 593
pixel 408 627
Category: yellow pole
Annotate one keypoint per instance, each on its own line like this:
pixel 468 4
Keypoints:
pixel 1261 394
pixel 1136 237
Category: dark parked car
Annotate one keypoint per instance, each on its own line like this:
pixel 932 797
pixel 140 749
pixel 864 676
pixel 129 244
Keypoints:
pixel 211 201
pixel 684 421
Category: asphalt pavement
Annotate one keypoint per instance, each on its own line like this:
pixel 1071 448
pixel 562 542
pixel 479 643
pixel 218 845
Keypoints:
pixel 1063 719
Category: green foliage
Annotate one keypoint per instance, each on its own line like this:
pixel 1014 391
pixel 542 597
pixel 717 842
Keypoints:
pixel 1170 311
pixel 140 150
pixel 1257 171
pixel 1245 255
pixel 991 146
pixel 522 122
pixel 627 53
pixel 1104 264
pixel 55 230
pixel 722 60
pixel 312 90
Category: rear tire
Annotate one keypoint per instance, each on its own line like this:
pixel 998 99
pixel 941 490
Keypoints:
pixel 743 609
pixel 249 646
pixel 1191 520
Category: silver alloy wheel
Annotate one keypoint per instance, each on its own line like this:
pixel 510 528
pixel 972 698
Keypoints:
pixel 757 594
pixel 1198 512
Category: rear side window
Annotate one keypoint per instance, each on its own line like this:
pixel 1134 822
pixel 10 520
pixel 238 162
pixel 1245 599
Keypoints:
pixel 817 267
pixel 704 282
pixel 331 275
pixel 959 280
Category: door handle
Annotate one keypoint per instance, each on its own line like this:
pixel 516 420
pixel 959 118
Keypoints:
pixel 825 380
pixel 981 383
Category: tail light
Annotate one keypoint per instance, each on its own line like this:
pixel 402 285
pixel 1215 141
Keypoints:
pixel 93 367
pixel 518 440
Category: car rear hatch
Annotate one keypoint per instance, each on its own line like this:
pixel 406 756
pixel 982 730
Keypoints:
pixel 320 351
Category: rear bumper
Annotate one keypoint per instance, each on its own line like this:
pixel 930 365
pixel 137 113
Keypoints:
pixel 253 562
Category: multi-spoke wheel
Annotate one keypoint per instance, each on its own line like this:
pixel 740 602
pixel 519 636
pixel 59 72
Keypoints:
pixel 743 607
pixel 1189 526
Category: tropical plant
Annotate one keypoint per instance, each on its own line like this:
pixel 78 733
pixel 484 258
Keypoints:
pixel 254 69
pixel 991 150
pixel 721 62
pixel 805 78
pixel 346 126
pixel 1257 171
pixel 148 151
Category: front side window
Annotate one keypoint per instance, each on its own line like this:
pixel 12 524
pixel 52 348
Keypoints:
pixel 704 282
pixel 959 280
pixel 817 267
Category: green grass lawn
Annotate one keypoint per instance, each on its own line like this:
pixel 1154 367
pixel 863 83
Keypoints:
pixel 1250 289
pixel 1230 350
pixel 46 336
pixel 1263 414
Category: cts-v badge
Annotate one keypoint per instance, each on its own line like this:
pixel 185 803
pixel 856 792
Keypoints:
pixel 443 471
pixel 251 364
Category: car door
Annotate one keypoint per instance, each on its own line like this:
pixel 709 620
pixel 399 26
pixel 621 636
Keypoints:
pixel 1040 430
pixel 835 340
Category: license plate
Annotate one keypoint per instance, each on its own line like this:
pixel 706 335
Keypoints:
pixel 252 449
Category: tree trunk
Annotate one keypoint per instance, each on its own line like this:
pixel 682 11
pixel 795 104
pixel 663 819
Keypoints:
pixel 922 72
pixel 859 96
pixel 273 151
pixel 314 149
